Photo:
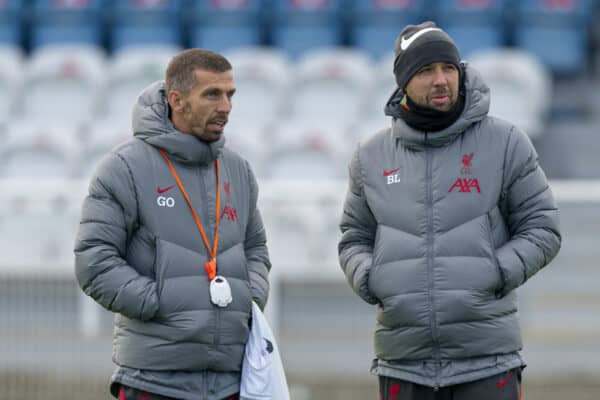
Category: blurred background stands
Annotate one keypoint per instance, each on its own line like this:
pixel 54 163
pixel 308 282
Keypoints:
pixel 312 77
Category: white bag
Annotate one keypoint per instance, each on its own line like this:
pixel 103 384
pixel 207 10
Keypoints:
pixel 263 377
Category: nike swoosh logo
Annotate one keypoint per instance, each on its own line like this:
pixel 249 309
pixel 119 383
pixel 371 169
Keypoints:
pixel 392 171
pixel 161 191
pixel 407 42
pixel 505 381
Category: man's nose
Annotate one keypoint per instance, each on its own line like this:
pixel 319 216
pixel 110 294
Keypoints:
pixel 224 104
pixel 439 77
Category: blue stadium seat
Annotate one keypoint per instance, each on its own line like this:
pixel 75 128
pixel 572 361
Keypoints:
pixel 66 21
pixel 375 24
pixel 473 24
pixel 301 25
pixel 145 22
pixel 10 22
pixel 556 31
pixel 225 24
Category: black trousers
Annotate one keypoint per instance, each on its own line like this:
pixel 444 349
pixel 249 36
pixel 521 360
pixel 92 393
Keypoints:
pixel 504 386
pixel 129 393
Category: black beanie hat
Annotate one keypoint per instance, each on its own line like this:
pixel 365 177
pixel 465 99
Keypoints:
pixel 420 45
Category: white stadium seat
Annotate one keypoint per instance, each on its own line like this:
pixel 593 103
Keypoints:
pixel 96 141
pixel 11 65
pixel 62 84
pixel 330 84
pixel 129 72
pixel 251 139
pixel 34 129
pixel 382 87
pixel 38 157
pixel 305 150
pixel 262 77
pixel 37 225
pixel 521 87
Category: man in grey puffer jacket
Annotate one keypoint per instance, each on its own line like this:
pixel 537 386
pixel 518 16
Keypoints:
pixel 181 285
pixel 447 213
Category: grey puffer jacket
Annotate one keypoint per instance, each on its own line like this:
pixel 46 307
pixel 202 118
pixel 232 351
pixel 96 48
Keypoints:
pixel 139 254
pixel 438 229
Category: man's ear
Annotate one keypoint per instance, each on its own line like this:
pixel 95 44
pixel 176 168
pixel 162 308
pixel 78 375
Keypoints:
pixel 175 100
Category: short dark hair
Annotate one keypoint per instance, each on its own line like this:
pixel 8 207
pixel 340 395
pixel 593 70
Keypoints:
pixel 180 72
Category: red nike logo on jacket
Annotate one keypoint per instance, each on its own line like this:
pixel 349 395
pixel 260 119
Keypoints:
pixel 161 191
pixel 392 171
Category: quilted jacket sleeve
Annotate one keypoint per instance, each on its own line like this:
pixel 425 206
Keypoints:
pixel 255 246
pixel 108 218
pixel 531 214
pixel 358 228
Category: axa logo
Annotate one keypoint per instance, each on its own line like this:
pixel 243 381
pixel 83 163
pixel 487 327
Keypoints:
pixel 230 213
pixel 391 175
pixel 165 201
pixel 466 162
pixel 464 185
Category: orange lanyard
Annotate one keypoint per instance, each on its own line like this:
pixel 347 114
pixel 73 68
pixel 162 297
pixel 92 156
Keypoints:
pixel 211 265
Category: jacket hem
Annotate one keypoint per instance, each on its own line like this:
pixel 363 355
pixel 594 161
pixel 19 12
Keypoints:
pixel 121 378
pixel 411 371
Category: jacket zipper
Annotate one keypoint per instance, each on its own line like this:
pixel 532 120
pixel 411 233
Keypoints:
pixel 429 239
pixel 210 234
pixel 217 325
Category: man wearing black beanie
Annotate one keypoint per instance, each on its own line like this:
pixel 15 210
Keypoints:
pixel 447 213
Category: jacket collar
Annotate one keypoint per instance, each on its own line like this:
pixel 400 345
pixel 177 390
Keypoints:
pixel 477 105
pixel 151 123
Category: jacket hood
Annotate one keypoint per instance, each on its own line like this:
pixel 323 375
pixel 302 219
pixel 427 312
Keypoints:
pixel 151 123
pixel 477 105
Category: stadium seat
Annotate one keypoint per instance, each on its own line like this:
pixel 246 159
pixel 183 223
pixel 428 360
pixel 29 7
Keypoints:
pixel 251 138
pixel 62 84
pixel 556 31
pixel 39 222
pixel 330 84
pixel 262 78
pixel 473 24
pixel 11 66
pixel 375 24
pixel 367 128
pixel 11 19
pixel 35 130
pixel 66 21
pixel 289 225
pixel 301 25
pixel 295 215
pixel 38 157
pixel 220 25
pixel 129 72
pixel 382 86
pixel 145 23
pixel 521 87
pixel 304 150
pixel 97 141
